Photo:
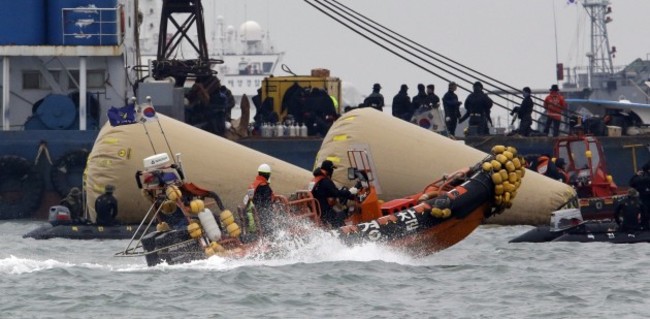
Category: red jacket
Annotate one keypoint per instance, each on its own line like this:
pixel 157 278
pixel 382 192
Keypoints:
pixel 555 105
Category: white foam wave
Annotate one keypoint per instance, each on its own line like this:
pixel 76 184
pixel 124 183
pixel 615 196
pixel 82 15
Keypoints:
pixel 16 266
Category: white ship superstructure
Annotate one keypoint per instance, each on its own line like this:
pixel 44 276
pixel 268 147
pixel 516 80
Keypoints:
pixel 247 51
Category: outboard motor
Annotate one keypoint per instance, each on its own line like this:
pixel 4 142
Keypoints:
pixel 565 219
pixel 59 215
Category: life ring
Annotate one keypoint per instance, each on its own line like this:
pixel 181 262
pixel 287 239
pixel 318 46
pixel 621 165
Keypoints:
pixel 21 187
pixel 67 171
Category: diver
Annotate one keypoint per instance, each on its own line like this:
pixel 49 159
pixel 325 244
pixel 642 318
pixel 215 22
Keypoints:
pixel 323 189
pixel 633 212
pixel 259 198
pixel 106 207
pixel 478 106
pixel 452 108
pixel 641 182
pixel 375 99
pixel 74 203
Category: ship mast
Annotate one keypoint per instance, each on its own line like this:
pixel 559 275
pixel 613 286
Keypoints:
pixel 600 56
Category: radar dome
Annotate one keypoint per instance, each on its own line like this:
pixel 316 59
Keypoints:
pixel 250 31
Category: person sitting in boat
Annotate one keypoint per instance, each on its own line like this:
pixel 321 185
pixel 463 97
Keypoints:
pixel 74 203
pixel 544 165
pixel 478 106
pixel 258 199
pixel 323 189
pixel 106 207
pixel 633 212
pixel 375 99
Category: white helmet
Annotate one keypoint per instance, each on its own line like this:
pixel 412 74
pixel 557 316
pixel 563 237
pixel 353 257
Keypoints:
pixel 264 168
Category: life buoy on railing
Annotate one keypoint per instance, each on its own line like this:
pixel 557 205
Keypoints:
pixel 21 187
pixel 67 171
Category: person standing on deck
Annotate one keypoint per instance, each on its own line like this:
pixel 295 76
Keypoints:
pixel 479 107
pixel 402 104
pixel 451 106
pixel 375 99
pixel 525 113
pixel 555 106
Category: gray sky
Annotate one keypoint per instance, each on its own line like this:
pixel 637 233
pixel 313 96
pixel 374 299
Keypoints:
pixel 511 40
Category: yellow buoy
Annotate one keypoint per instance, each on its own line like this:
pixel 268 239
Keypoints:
pixel 436 212
pixel 496 178
pixel 173 193
pixel 168 207
pixel 512 150
pixel 512 177
pixel 501 158
pixel 197 206
pixel 498 189
pixel 233 230
pixel 446 213
pixel 516 162
pixel 498 199
pixel 226 217
pixel 504 175
pixel 496 165
pixel 508 154
pixel 216 247
pixel 498 149
pixel 507 187
pixel 487 166
pixel 161 227
pixel 510 166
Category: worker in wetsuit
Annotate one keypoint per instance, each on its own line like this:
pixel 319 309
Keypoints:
pixel 258 199
pixel 641 182
pixel 323 189
pixel 633 212
pixel 74 203
pixel 478 106
pixel 106 207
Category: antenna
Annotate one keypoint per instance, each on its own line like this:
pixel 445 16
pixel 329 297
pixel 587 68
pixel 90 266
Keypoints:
pixel 600 57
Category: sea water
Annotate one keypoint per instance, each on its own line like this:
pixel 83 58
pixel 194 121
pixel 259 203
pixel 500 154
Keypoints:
pixel 483 276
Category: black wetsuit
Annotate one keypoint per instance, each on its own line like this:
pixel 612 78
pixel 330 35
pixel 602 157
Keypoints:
pixel 324 191
pixel 642 184
pixel 106 209
pixel 631 209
